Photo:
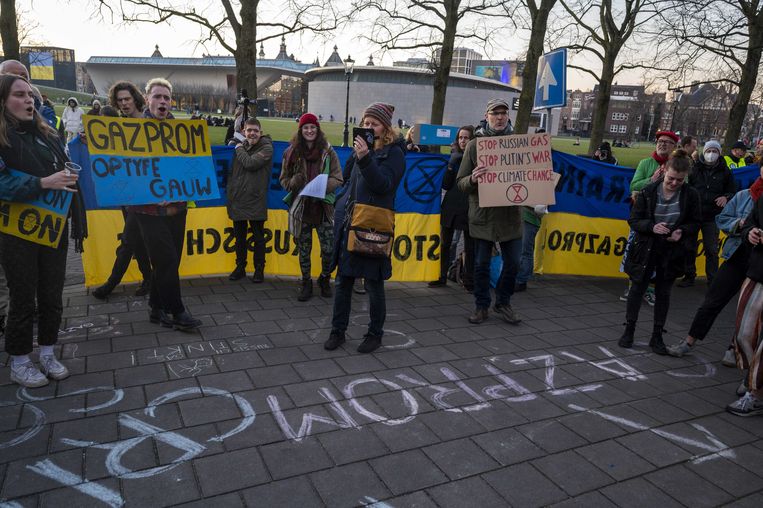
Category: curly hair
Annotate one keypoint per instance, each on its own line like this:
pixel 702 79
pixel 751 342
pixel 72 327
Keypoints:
pixel 137 97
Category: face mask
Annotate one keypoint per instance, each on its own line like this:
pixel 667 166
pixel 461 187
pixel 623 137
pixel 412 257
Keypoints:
pixel 711 157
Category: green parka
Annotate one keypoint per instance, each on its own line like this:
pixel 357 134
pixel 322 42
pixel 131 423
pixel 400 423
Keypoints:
pixel 249 181
pixel 494 224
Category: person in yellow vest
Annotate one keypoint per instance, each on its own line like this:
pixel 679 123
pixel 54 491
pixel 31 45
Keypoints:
pixel 738 157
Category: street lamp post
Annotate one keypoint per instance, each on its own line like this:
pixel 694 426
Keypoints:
pixel 348 64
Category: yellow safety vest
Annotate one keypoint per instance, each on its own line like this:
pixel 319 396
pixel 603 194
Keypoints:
pixel 730 162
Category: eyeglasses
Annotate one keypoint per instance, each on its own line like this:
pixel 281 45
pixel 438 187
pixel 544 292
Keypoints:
pixel 666 142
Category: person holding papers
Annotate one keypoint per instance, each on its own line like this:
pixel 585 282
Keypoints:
pixel 35 272
pixel 308 157
pixel 248 196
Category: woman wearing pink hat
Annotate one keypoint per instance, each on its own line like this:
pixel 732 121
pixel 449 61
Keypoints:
pixel 308 156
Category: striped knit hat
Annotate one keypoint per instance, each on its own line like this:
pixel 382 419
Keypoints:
pixel 380 111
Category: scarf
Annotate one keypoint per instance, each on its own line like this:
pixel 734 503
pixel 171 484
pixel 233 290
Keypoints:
pixel 756 189
pixel 660 160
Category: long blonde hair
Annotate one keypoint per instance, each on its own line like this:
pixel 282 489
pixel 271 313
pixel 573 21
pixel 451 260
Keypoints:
pixel 389 136
pixel 9 122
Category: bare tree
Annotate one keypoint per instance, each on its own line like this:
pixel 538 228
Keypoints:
pixel 725 37
pixel 533 16
pixel 234 25
pixel 9 29
pixel 601 31
pixel 432 25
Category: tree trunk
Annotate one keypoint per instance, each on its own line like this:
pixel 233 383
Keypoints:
pixel 746 85
pixel 9 30
pixel 534 52
pixel 442 70
pixel 601 107
pixel 246 51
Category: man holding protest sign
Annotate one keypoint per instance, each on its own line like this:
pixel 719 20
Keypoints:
pixel 491 219
pixel 126 97
pixel 163 229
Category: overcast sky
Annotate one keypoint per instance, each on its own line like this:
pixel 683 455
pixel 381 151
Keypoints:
pixel 69 24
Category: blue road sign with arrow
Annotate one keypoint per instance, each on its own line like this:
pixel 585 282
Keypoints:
pixel 551 83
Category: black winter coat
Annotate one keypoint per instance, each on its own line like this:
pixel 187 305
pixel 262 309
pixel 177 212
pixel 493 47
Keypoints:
pixel 647 245
pixel 711 183
pixel 377 176
pixel 455 205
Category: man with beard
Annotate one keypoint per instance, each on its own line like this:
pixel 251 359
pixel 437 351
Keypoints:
pixel 502 224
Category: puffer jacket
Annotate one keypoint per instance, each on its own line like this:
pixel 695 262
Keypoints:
pixel 72 118
pixel 712 182
pixel 249 181
pixel 494 224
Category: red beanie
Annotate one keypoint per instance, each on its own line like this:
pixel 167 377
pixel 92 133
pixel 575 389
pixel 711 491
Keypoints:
pixel 308 118
pixel 672 135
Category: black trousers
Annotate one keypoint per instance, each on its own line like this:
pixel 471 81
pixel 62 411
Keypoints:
pixel 34 273
pixel 709 244
pixel 446 238
pixel 164 237
pixel 726 284
pixel 131 245
pixel 258 238
pixel 662 287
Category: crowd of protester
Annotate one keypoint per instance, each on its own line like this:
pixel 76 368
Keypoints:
pixel 678 192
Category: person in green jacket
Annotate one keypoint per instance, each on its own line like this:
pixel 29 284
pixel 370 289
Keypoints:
pixel 652 168
pixel 502 224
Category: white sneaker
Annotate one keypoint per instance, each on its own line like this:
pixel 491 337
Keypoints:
pixel 28 375
pixel 729 358
pixel 650 298
pixel 53 368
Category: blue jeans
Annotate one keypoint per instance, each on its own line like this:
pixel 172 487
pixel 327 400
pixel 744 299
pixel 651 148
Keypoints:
pixel 510 252
pixel 377 305
pixel 528 253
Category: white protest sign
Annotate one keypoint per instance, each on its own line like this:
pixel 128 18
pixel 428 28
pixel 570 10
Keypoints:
pixel 520 172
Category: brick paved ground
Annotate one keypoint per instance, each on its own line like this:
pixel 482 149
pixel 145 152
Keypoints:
pixel 251 411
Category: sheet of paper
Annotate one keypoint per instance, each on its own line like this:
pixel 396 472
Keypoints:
pixel 316 188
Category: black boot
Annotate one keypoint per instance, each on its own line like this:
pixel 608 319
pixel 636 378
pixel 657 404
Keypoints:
pixel 184 322
pixel 335 340
pixel 370 343
pixel 324 282
pixel 259 274
pixel 305 290
pixel 239 273
pixel 144 288
pixel 656 343
pixel 626 339
pixel 102 292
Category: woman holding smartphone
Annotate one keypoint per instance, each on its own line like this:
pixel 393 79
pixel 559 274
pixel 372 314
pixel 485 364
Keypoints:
pixel 665 214
pixel 375 175
pixel 35 272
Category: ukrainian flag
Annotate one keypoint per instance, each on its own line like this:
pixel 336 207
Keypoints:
pixel 41 66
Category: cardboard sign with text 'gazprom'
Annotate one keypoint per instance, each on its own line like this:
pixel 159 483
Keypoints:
pixel 520 172
pixel 138 161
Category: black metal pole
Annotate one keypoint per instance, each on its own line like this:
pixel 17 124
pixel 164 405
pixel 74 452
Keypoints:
pixel 346 136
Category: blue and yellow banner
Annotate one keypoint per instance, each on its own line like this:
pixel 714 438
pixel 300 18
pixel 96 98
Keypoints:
pixel 142 161
pixel 40 220
pixel 209 243
pixel 41 66
pixel 585 233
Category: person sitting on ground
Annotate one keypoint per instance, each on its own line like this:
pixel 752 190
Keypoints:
pixel 248 197
pixel 716 185
pixel 665 212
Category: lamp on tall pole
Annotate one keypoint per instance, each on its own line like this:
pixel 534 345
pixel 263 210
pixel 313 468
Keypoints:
pixel 348 64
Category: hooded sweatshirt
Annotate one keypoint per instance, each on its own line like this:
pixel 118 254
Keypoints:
pixel 72 118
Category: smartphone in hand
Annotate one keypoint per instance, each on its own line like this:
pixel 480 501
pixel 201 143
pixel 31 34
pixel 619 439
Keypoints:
pixel 366 134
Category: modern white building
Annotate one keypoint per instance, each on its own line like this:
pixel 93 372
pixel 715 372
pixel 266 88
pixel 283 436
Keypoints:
pixel 409 90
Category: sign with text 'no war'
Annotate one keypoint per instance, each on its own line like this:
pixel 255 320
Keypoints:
pixel 40 220
pixel 143 161
pixel 520 170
